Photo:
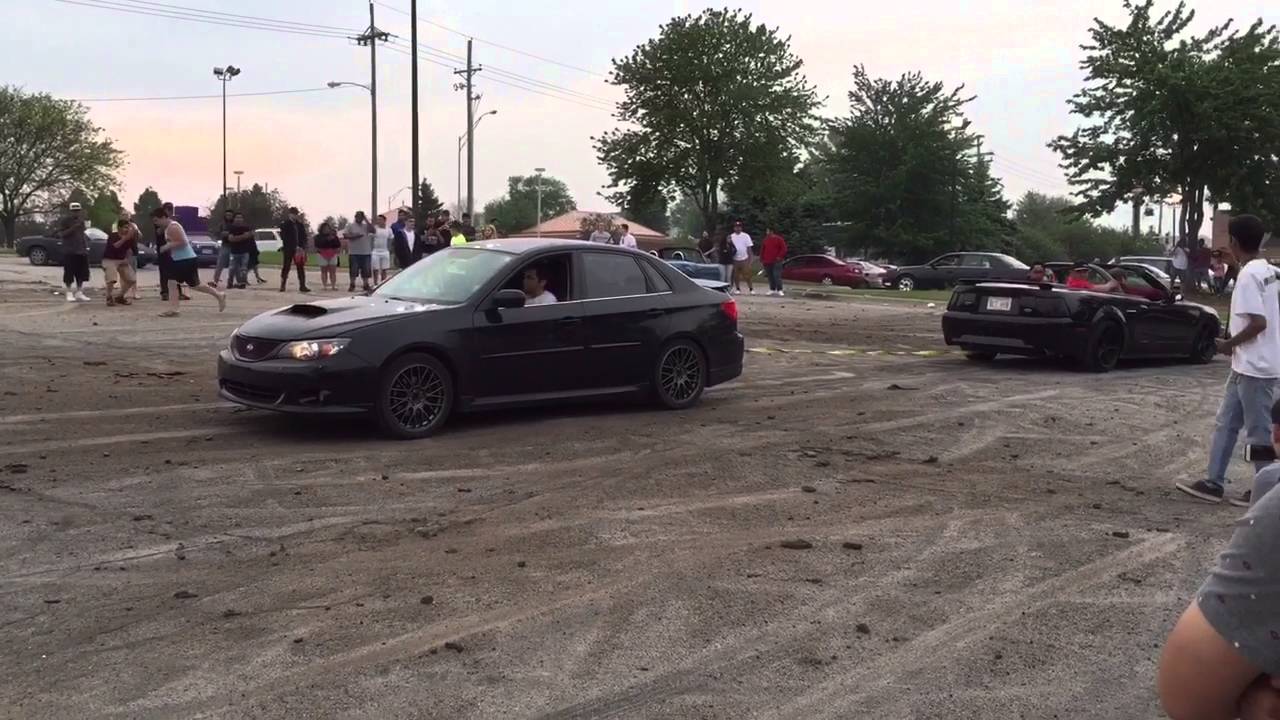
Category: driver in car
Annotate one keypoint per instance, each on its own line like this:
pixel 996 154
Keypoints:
pixel 535 287
pixel 1079 280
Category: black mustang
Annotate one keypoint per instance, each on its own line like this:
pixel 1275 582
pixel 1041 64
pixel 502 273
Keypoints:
pixel 1113 312
pixel 487 325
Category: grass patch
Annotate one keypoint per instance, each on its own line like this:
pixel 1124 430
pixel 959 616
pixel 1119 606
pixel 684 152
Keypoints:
pixel 275 258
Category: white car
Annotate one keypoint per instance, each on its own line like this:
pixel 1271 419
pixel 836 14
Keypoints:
pixel 873 273
pixel 268 239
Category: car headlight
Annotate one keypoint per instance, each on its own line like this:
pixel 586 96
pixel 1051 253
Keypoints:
pixel 313 349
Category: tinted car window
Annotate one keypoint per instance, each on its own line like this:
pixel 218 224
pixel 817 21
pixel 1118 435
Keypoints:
pixel 947 261
pixel 609 275
pixel 657 283
pixel 977 261
pixel 1010 262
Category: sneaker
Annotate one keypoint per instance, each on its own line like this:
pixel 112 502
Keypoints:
pixel 81 296
pixel 222 301
pixel 303 290
pixel 351 288
pixel 1243 500
pixel 111 301
pixel 71 297
pixel 1202 490
pixel 781 294
pixel 753 292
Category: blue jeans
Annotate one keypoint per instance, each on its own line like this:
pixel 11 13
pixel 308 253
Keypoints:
pixel 774 271
pixel 224 260
pixel 238 274
pixel 1246 404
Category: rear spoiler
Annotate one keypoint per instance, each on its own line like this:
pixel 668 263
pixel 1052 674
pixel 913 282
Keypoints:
pixel 981 281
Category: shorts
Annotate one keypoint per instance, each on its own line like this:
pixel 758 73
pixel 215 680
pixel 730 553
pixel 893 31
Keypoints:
pixel 116 270
pixel 75 269
pixel 381 260
pixel 185 272
pixel 331 261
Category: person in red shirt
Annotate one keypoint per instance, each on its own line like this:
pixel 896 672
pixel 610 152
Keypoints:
pixel 1079 280
pixel 772 253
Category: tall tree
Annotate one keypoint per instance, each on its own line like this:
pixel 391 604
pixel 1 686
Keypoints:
pixel 1167 111
pixel 148 200
pixel 710 97
pixel 428 201
pixel 261 208
pixel 906 175
pixel 517 211
pixel 647 206
pixel 48 147
pixel 1049 229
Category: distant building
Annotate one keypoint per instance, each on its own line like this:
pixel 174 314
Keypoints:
pixel 569 227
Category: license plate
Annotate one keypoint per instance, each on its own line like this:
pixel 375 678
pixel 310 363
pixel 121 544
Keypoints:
pixel 1000 304
pixel 206 251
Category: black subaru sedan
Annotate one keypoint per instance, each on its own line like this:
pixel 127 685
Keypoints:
pixel 492 324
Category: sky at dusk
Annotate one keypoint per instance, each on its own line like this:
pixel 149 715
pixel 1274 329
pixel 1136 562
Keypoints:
pixel 1019 58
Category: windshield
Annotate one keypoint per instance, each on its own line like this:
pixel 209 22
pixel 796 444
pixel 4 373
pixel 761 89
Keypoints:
pixel 447 277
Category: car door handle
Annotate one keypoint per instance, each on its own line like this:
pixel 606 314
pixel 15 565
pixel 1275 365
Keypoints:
pixel 569 321
pixel 655 312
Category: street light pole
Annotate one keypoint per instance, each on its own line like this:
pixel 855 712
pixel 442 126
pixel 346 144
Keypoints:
pixel 539 223
pixel 468 142
pixel 238 173
pixel 373 139
pixel 225 74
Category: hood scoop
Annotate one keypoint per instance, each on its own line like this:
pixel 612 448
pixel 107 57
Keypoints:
pixel 305 310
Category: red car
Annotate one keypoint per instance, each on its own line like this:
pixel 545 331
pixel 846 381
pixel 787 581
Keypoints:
pixel 825 270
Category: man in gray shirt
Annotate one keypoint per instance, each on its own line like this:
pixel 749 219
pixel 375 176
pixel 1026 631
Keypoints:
pixel 75 253
pixel 359 236
pixel 1222 660
pixel 601 235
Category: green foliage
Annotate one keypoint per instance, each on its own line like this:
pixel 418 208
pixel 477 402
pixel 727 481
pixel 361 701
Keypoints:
pixel 261 209
pixel 517 211
pixel 1049 230
pixel 105 211
pixel 646 205
pixel 148 200
pixel 710 99
pixel 798 205
pixel 1172 112
pixel 590 222
pixel 906 174
pixel 428 201
pixel 48 147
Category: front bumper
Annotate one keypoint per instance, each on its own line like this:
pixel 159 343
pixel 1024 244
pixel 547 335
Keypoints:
pixel 342 385
pixel 1013 335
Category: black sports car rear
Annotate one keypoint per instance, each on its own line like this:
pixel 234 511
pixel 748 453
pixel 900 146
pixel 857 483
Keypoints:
pixel 455 332
pixel 1138 318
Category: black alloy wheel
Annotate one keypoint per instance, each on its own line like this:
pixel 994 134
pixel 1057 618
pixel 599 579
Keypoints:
pixel 1205 347
pixel 415 396
pixel 1106 346
pixel 681 375
pixel 978 356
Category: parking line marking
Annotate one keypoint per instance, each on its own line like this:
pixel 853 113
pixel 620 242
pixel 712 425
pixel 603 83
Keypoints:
pixel 20 419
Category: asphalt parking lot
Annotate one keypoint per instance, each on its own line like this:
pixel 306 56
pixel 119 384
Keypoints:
pixel 864 525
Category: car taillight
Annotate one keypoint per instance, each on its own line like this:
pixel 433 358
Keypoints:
pixel 730 309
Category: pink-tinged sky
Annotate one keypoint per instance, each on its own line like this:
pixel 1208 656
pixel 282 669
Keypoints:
pixel 1019 58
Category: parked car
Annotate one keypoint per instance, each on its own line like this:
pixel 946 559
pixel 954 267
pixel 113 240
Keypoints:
pixel 951 268
pixel 206 249
pixel 877 277
pixel 825 270
pixel 453 333
pixel 267 239
pixel 690 261
pixel 1161 263
pixel 39 250
pixel 1097 329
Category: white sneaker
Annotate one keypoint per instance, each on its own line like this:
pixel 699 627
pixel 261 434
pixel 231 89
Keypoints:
pixel 71 297
pixel 80 296
pixel 753 292
pixel 737 292
pixel 781 294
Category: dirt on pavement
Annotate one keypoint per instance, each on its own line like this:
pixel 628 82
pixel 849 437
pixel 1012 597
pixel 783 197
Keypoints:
pixel 863 525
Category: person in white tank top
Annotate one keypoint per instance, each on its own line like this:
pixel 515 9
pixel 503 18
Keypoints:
pixel 184 269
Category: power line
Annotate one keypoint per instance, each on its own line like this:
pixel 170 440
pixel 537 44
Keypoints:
pixel 204 97
pixel 288 23
pixel 508 48
pixel 173 15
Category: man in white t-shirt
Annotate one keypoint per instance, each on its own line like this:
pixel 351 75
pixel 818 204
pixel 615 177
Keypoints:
pixel 742 244
pixel 627 240
pixel 381 257
pixel 1254 347
pixel 1181 262
pixel 535 287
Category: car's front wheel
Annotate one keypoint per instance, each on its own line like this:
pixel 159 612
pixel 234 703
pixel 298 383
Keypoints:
pixel 1205 348
pixel 680 376
pixel 906 283
pixel 1106 345
pixel 37 255
pixel 415 396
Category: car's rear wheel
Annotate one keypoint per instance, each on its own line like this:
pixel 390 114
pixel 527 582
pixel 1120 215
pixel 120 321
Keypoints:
pixel 980 356
pixel 826 280
pixel 906 283
pixel 1106 345
pixel 680 376
pixel 37 255
pixel 1205 347
pixel 415 396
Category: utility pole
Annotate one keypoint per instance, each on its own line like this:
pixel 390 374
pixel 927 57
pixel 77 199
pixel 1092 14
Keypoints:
pixel 539 225
pixel 413 102
pixel 370 37
pixel 469 73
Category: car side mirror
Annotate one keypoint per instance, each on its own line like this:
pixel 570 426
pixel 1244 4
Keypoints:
pixel 506 299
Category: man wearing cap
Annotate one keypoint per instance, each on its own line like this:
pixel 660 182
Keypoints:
pixel 75 253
